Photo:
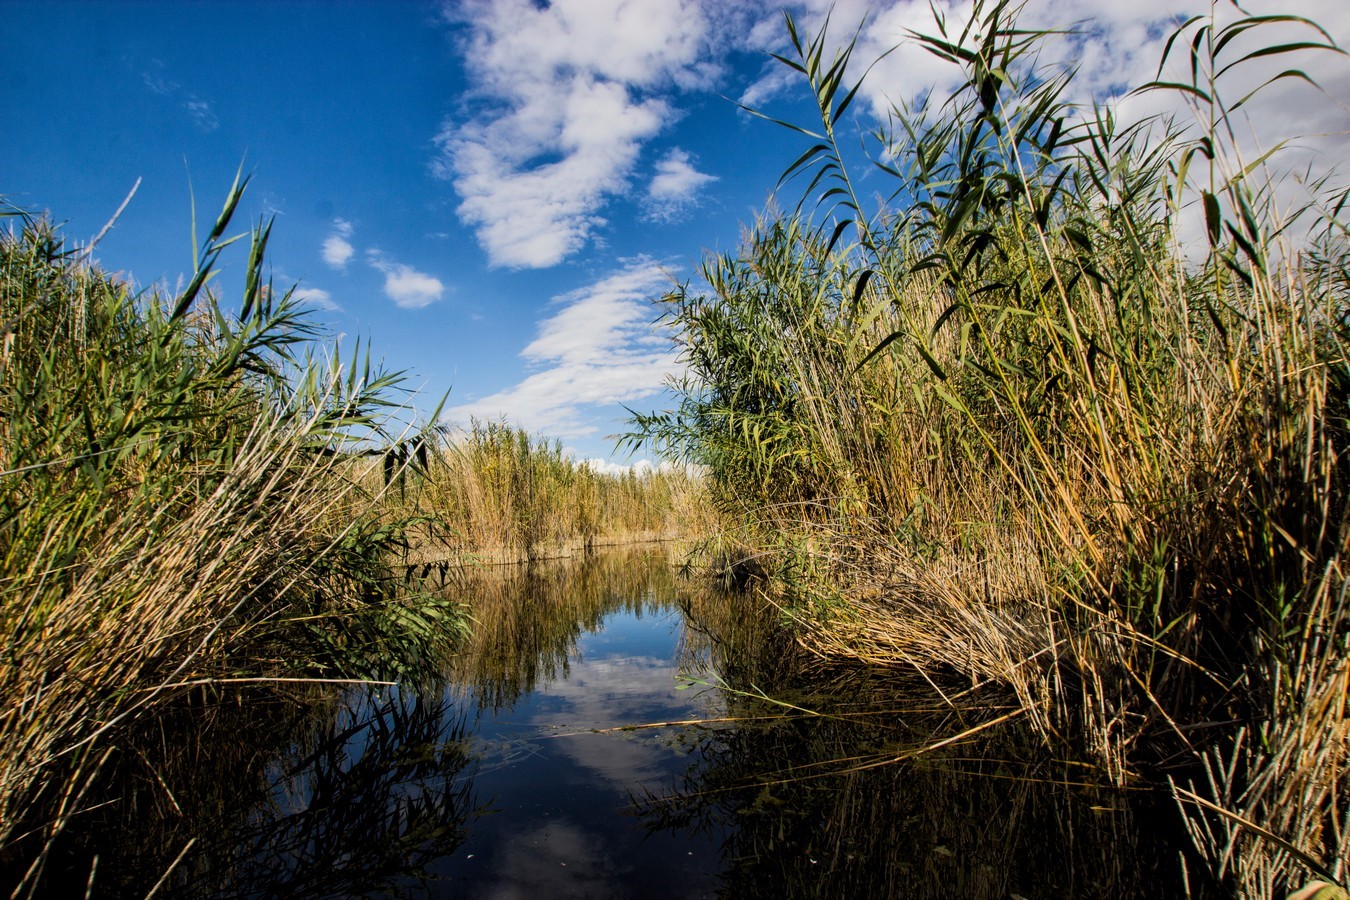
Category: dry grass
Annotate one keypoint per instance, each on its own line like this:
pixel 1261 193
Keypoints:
pixel 1013 437
pixel 178 509
pixel 498 494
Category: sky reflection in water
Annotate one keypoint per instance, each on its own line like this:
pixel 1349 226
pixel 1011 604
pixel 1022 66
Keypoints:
pixel 560 796
pixel 519 774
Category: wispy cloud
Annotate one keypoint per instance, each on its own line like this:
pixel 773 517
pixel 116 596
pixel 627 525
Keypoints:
pixel 200 111
pixel 407 287
pixel 316 297
pixel 674 188
pixel 336 248
pixel 566 96
pixel 202 114
pixel 599 348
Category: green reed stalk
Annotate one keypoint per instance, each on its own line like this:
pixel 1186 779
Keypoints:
pixel 1012 433
pixel 182 504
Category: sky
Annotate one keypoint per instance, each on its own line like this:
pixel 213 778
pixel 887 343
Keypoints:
pixel 494 193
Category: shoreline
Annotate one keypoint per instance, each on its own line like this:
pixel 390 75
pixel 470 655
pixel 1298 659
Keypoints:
pixel 506 555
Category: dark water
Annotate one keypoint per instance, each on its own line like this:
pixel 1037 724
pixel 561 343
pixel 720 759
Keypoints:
pixel 557 770
pixel 608 733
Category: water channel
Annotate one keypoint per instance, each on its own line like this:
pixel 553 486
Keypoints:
pixel 608 732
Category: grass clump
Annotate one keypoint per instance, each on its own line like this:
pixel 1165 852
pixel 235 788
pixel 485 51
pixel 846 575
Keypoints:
pixel 180 507
pixel 1008 430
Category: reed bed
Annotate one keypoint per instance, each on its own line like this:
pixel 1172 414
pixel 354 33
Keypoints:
pixel 1006 430
pixel 826 756
pixel 496 493
pixel 182 509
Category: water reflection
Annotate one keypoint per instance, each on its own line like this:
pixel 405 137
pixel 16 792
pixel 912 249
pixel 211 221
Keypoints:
pixel 818 806
pixel 528 621
pixel 261 795
pixel 558 764
pixel 520 774
pixel 365 809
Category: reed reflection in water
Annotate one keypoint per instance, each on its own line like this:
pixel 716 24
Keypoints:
pixel 351 793
pixel 768 800
pixel 819 792
pixel 564 658
pixel 606 732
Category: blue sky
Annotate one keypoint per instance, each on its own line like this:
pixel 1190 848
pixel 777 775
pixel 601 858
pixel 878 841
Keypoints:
pixel 492 192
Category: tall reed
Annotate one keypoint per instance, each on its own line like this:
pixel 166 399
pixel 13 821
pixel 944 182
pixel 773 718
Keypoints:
pixel 179 508
pixel 495 491
pixel 1003 429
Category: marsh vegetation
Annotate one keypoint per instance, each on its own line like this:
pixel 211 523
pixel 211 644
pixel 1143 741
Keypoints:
pixel 1006 429
pixel 609 729
pixel 1024 489
pixel 494 493
pixel 199 497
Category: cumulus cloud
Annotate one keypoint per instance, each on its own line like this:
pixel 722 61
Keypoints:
pixel 675 186
pixel 566 96
pixel 616 470
pixel 407 287
pixel 1111 44
pixel 1112 48
pixel 641 467
pixel 599 348
pixel 336 248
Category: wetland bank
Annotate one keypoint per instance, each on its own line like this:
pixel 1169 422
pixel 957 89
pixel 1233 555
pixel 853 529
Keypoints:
pixel 1032 512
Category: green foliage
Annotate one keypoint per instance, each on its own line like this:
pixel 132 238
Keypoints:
pixel 1031 441
pixel 181 504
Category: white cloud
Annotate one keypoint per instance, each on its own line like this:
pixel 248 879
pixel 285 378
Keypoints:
pixel 674 187
pixel 407 287
pixel 600 348
pixel 337 250
pixel 640 467
pixel 203 116
pixel 567 94
pixel 157 83
pixel 316 297
pixel 615 470
pixel 1117 43
pixel 1113 48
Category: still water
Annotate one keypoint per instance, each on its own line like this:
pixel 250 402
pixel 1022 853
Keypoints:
pixel 558 768
pixel 608 732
